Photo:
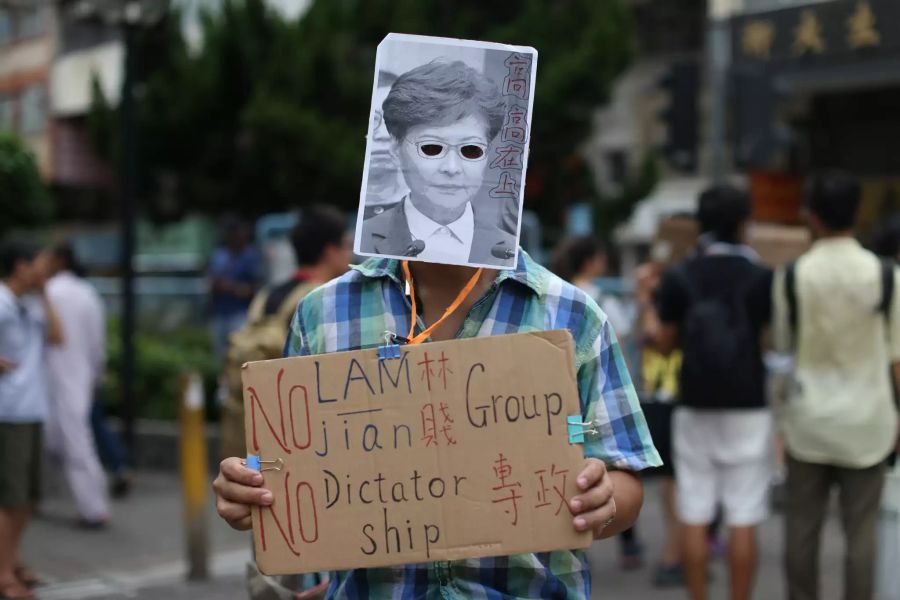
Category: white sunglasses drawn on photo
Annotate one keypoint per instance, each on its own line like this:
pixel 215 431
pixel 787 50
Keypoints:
pixel 437 149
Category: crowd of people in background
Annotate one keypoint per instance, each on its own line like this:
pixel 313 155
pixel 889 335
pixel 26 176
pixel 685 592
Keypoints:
pixel 702 328
pixel 695 334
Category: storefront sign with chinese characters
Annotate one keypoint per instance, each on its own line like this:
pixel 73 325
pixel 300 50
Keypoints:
pixel 842 29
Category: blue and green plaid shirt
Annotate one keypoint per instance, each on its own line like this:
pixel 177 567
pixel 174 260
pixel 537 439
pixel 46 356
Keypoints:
pixel 353 311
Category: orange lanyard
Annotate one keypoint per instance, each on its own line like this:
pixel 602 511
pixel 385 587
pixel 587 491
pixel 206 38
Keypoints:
pixel 463 294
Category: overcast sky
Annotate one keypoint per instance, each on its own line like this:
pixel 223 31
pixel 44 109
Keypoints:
pixel 291 9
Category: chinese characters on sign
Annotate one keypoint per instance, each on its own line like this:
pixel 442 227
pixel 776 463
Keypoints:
pixel 557 481
pixel 757 38
pixel 862 27
pixel 826 29
pixel 808 34
pixel 514 135
pixel 509 490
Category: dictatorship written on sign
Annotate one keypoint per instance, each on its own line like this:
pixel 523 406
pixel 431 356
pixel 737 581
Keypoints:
pixel 456 449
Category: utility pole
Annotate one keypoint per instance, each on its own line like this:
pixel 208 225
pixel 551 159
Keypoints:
pixel 719 63
pixel 128 191
pixel 130 16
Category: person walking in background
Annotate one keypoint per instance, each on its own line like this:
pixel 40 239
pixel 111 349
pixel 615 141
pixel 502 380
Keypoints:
pixel 111 453
pixel 580 260
pixel 659 393
pixel 75 368
pixel 714 307
pixel 834 308
pixel 323 248
pixel 234 273
pixel 27 323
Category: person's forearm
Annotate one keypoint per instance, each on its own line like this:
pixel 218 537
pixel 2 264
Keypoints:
pixel 629 496
pixel 54 327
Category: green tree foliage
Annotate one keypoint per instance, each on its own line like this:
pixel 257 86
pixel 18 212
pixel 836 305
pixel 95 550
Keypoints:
pixel 271 114
pixel 24 200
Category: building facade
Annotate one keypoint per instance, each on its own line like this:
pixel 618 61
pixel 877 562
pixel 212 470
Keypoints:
pixel 49 63
pixel 818 87
pixel 27 48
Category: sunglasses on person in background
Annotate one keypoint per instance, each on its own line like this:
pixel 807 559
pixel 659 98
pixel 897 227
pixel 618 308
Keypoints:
pixel 470 151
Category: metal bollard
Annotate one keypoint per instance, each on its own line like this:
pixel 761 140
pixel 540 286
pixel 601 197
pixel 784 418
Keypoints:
pixel 194 475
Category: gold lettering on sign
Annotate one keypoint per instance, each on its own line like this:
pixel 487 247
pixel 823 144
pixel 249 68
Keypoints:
pixel 757 38
pixel 808 34
pixel 861 25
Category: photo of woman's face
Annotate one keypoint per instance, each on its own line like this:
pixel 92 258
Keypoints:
pixel 444 165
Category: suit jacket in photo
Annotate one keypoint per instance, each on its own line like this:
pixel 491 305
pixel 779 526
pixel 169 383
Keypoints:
pixel 388 234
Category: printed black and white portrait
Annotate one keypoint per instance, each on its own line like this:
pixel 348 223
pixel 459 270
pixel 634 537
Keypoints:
pixel 447 151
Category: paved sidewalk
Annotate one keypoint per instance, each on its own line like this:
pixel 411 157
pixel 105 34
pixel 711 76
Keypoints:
pixel 142 548
pixel 141 555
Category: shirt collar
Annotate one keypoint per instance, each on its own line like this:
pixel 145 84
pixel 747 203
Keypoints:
pixel 838 243
pixel 423 227
pixel 527 272
pixel 708 245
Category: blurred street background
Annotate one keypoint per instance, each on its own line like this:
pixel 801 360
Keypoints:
pixel 153 136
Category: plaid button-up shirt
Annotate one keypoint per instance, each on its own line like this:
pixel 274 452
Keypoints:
pixel 354 311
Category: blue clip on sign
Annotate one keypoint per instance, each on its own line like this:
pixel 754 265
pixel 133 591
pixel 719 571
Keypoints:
pixel 576 429
pixel 253 462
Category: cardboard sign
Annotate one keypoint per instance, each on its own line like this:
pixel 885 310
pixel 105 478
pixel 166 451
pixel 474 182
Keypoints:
pixel 455 449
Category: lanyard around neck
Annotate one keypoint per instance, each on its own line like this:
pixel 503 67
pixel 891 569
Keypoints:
pixel 463 294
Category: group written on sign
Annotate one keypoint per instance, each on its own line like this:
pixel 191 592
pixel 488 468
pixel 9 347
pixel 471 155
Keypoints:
pixel 455 449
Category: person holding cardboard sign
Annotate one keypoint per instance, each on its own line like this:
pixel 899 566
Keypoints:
pixel 436 302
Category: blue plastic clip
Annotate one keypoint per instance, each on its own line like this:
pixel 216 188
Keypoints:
pixel 391 349
pixel 253 462
pixel 578 429
pixel 256 463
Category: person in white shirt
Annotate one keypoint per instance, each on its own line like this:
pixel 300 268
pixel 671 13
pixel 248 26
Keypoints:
pixel 442 118
pixel 839 421
pixel 75 369
pixel 28 324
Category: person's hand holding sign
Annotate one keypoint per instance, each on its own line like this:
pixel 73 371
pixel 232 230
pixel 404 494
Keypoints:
pixel 238 489
pixel 595 508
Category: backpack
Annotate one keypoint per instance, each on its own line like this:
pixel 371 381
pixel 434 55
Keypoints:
pixel 261 338
pixel 720 352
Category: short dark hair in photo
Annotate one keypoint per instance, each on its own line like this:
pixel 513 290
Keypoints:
pixel 722 210
pixel 15 250
pixel 833 197
pixel 573 254
pixel 441 93
pixel 65 253
pixel 319 227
